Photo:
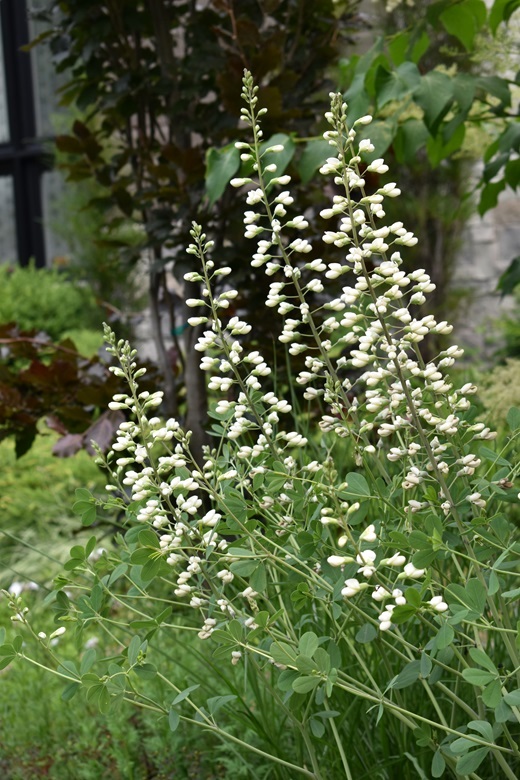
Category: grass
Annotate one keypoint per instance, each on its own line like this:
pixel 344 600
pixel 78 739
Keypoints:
pixel 43 736
pixel 36 507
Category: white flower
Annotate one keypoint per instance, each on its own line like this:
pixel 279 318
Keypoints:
pixel 369 534
pixel 352 587
pixel 366 559
pixel 225 575
pixel 380 593
pixel 16 588
pixel 438 604
pixel 366 145
pixel 398 597
pixel 412 572
pixel 395 560
pixel 339 560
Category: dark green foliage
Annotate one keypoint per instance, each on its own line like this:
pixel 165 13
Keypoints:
pixel 159 82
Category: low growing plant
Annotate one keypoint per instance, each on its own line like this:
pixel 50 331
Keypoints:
pixel 45 299
pixel 357 621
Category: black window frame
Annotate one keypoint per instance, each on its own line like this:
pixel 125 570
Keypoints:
pixel 22 156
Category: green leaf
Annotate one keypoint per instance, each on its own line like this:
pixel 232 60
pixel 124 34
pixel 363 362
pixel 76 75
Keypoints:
pixel 69 668
pixel 426 665
pixel 506 285
pixel 473 595
pixel 499 88
pixel 488 454
pixel 305 684
pixel 89 547
pixel 145 671
pixel 173 719
pixel 511 594
pixel 367 633
pixel 445 636
pixel 235 629
pixel 133 650
pixel 184 694
pixel 398 47
pixel 402 613
pixel 464 88
pixel 286 679
pixel 314 155
pixel 489 195
pixel 413 597
pixel 70 691
pixel 141 556
pixel 308 644
pixel 396 84
pixel 435 96
pixel 98 694
pixel 317 727
pixel 424 558
pixel 422 735
pixel 334 654
pixel 512 173
pixel 323 659
pixel 243 568
pixel 502 11
pixel 459 21
pixel 438 764
pixel 305 664
pixel 147 538
pixel 492 694
pixel 258 579
pixel 481 658
pixel 6 658
pixel 77 552
pixel 478 676
pixel 151 569
pixel 483 728
pixel 461 745
pixel 282 653
pixel 502 712
pixel 89 658
pixel 411 136
pixel 356 487
pixel 493 584
pixel 217 702
pixel 513 698
pixel 242 552
pixel 85 506
pixel 471 761
pixel 407 676
pixel 118 572
pixel 438 149
pixel 221 166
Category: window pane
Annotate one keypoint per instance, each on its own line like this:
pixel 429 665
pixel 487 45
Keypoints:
pixel 52 197
pixel 4 118
pixel 45 80
pixel 8 251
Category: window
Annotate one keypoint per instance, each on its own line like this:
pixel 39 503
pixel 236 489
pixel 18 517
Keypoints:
pixel 27 86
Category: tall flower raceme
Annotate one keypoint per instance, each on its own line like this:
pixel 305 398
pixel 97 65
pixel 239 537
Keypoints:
pixel 327 586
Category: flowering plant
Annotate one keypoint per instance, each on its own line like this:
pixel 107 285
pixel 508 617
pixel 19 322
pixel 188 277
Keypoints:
pixel 388 592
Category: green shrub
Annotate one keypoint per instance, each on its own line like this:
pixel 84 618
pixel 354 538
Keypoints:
pixel 45 299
